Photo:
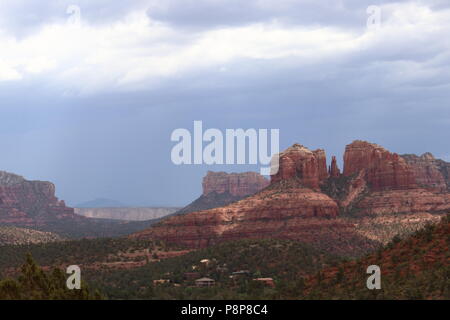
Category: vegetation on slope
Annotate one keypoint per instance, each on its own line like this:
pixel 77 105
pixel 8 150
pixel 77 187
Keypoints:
pixel 83 252
pixel 284 261
pixel 416 267
pixel 36 284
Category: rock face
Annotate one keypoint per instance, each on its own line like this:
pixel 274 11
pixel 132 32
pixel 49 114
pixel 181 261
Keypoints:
pixel 310 167
pixel 305 202
pixel 383 169
pixel 221 189
pixel 235 184
pixel 292 207
pixel 334 171
pixel 32 204
pixel 285 210
pixel 29 202
pixel 428 172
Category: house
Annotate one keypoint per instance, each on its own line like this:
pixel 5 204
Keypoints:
pixel 266 281
pixel 205 261
pixel 205 282
pixel 240 273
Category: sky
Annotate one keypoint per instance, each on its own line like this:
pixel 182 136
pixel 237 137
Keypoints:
pixel 91 90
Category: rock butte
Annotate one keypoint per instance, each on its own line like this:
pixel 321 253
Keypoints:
pixel 30 203
pixel 221 188
pixel 236 184
pixel 309 203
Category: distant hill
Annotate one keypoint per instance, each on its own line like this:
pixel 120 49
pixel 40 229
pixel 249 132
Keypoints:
pixel 101 203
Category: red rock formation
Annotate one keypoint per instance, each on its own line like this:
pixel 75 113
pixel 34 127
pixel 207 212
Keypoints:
pixel 403 201
pixel 29 202
pixel 384 170
pixel 310 167
pixel 236 184
pixel 280 211
pixel 221 189
pixel 427 171
pixel 375 183
pixel 334 171
pixel 290 208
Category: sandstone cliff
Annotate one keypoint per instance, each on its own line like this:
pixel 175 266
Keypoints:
pixel 380 182
pixel 292 207
pixel 285 210
pixel 428 171
pixel 310 167
pixel 383 169
pixel 29 202
pixel 235 184
pixel 221 188
pixel 33 204
pixel 334 171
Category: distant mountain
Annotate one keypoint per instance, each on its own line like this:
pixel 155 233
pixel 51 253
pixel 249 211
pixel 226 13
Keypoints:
pixel 101 203
pixel 128 214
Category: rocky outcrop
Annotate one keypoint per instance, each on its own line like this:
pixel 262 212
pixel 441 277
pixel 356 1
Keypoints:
pixel 309 167
pixel 285 210
pixel 292 207
pixel 235 184
pixel 333 170
pixel 33 204
pixel 428 171
pixel 402 201
pixel 387 183
pixel 383 170
pixel 29 202
pixel 221 189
